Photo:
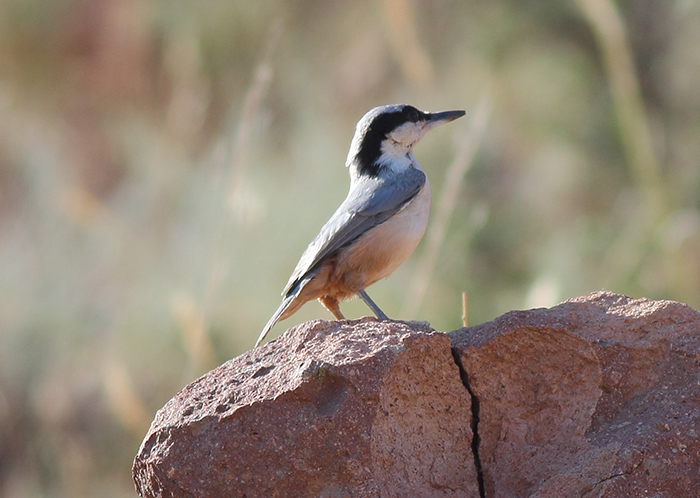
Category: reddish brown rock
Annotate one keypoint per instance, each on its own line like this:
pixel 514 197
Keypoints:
pixel 331 409
pixel 597 397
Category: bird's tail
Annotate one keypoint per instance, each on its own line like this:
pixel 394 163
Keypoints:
pixel 286 303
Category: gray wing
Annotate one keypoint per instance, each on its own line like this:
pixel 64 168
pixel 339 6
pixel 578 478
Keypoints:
pixel 370 203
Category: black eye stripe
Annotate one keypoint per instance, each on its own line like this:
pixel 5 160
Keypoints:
pixel 381 125
pixel 411 114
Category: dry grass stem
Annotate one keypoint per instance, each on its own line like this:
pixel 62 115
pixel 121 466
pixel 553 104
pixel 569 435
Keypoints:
pixel 465 321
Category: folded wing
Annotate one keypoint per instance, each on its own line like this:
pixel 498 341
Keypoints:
pixel 376 200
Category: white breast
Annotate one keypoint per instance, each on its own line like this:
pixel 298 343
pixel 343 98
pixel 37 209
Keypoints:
pixel 384 248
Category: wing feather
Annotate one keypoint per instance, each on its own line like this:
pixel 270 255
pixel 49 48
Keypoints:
pixel 373 201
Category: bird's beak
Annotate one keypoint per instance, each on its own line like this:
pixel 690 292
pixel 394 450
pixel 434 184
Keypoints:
pixel 438 118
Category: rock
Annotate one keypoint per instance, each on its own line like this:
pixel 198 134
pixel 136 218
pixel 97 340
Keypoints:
pixel 597 397
pixel 331 409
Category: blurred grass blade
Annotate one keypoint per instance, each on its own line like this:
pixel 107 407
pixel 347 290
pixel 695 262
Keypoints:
pixel 609 29
pixel 193 325
pixel 123 399
pixel 412 57
pixel 258 89
pixel 238 196
pixel 448 199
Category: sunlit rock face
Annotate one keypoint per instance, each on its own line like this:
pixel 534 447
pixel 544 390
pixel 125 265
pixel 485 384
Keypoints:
pixel 596 397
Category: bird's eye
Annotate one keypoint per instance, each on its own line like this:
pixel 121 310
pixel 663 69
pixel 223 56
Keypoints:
pixel 413 115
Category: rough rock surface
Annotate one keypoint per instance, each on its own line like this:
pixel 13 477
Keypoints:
pixel 331 409
pixel 596 397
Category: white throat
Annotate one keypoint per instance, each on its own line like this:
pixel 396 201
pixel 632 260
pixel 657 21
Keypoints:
pixel 397 156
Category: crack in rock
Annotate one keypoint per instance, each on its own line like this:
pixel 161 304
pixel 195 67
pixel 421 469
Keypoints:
pixel 476 439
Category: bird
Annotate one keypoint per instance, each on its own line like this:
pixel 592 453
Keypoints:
pixel 380 222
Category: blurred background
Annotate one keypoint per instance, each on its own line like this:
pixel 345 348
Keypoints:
pixel 163 165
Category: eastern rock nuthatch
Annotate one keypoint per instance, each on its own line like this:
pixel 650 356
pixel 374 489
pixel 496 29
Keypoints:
pixel 380 222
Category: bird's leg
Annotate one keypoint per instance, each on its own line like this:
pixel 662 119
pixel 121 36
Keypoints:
pixel 332 305
pixel 380 314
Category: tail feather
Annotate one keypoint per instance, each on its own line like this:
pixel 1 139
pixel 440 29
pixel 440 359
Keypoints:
pixel 286 302
pixel 292 301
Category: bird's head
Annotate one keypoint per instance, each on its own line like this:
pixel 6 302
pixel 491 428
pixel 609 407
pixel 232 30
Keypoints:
pixel 387 134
